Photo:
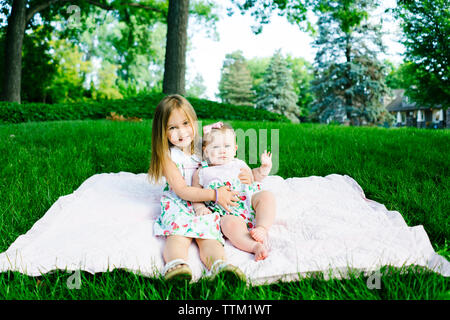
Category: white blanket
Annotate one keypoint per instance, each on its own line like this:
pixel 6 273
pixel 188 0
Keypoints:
pixel 322 224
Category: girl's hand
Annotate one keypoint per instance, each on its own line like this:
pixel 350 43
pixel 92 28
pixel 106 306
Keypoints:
pixel 202 211
pixel 246 176
pixel 226 197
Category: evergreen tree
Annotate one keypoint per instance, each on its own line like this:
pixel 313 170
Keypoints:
pixel 426 29
pixel 302 74
pixel 349 79
pixel 235 84
pixel 277 92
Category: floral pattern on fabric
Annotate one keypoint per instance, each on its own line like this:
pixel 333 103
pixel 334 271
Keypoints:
pixel 244 209
pixel 177 215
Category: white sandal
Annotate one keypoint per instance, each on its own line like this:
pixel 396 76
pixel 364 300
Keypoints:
pixel 182 273
pixel 221 266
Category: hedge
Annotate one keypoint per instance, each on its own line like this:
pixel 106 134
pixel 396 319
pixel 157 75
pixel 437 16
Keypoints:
pixel 141 106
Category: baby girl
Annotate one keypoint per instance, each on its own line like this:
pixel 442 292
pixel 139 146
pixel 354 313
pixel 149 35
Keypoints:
pixel 247 224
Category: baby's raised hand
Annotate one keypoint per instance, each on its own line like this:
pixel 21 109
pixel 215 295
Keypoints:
pixel 202 211
pixel 266 159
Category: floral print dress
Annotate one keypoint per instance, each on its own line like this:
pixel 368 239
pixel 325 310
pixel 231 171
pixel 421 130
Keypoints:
pixel 177 215
pixel 212 177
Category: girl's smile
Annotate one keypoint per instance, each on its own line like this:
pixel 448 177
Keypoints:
pixel 179 130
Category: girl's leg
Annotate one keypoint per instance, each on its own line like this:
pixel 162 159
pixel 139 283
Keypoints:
pixel 265 207
pixel 210 251
pixel 176 247
pixel 236 231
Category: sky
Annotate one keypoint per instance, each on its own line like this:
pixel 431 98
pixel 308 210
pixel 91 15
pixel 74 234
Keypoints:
pixel 207 55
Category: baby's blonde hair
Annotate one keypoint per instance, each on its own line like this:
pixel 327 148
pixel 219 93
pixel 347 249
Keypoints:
pixel 160 141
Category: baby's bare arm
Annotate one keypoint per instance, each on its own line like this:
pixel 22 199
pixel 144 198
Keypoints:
pixel 258 175
pixel 266 165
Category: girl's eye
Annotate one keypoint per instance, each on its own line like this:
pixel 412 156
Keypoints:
pixel 186 123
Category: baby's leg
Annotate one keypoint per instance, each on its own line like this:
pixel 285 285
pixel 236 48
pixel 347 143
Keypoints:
pixel 236 231
pixel 176 247
pixel 264 204
pixel 210 251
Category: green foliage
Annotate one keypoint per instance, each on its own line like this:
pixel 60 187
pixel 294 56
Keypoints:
pixel 294 11
pixel 235 86
pixel 196 87
pixel 141 106
pixel 277 90
pixel 426 29
pixel 257 67
pixel 67 83
pixel 349 81
pixel 302 74
pixel 37 66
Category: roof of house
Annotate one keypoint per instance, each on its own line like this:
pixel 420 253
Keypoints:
pixel 400 103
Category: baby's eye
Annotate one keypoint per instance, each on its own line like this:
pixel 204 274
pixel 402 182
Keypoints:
pixel 185 123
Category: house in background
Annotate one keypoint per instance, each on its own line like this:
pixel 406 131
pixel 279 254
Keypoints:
pixel 409 114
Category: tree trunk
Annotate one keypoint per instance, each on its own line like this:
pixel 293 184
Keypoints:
pixel 13 51
pixel 175 60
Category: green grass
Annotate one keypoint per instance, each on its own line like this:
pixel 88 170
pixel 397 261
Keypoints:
pixel 406 169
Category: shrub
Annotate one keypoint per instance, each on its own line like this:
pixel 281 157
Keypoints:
pixel 141 106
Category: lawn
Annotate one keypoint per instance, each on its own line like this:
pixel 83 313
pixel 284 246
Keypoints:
pixel 405 169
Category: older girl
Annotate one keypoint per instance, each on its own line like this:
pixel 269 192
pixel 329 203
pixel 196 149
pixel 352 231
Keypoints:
pixel 174 156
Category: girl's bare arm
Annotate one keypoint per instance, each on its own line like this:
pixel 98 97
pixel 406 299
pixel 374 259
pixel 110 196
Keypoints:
pixel 196 184
pixel 179 186
pixel 226 197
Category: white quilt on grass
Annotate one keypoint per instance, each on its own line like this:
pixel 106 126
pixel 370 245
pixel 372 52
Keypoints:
pixel 322 224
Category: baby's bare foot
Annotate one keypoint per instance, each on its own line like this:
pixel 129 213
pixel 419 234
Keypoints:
pixel 260 251
pixel 259 234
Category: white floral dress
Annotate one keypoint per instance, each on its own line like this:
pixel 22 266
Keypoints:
pixel 212 177
pixel 178 215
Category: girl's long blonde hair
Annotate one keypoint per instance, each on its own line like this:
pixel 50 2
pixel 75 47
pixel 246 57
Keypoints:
pixel 160 141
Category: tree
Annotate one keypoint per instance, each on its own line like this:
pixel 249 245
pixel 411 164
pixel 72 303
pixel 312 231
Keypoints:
pixel 277 90
pixel 196 87
pixel 139 13
pixel 13 51
pixel 22 15
pixel 139 67
pixel 67 83
pixel 39 64
pixel 426 29
pixel 175 63
pixel 235 84
pixel 257 67
pixel 302 74
pixel 349 80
